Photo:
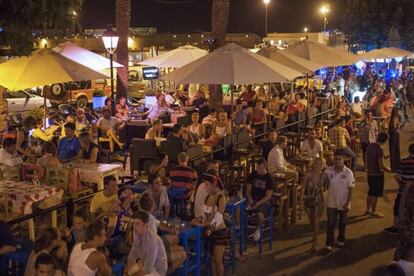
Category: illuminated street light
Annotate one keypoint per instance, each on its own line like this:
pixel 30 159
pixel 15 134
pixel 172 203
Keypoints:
pixel 110 39
pixel 324 10
pixel 305 30
pixel 266 2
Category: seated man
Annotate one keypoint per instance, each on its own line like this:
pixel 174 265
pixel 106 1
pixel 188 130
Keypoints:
pixel 109 126
pixel 269 144
pixel 7 240
pixel 69 146
pixel 259 192
pixel 101 201
pixel 176 135
pixel 44 265
pixel 277 162
pixel 311 146
pixel 183 176
pixel 10 160
pixel 86 258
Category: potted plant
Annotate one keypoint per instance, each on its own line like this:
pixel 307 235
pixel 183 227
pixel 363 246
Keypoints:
pixel 98 98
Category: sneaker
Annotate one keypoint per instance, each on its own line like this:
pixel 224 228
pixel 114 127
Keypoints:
pixel 377 215
pixel 340 243
pixel 329 248
pixel 368 213
pixel 391 230
pixel 256 236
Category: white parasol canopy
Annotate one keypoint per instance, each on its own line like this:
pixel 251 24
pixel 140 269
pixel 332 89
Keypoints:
pixel 322 54
pixel 294 62
pixel 43 67
pixel 84 57
pixel 176 58
pixel 386 53
pixel 233 65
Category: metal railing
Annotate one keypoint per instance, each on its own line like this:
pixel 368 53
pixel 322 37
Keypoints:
pixel 70 202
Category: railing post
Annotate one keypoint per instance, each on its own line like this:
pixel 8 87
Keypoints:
pixel 69 211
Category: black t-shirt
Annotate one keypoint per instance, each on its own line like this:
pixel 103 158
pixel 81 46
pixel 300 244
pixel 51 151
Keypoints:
pixel 6 236
pixel 260 184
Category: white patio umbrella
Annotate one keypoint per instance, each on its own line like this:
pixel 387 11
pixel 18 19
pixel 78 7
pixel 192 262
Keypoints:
pixel 43 67
pixel 386 53
pixel 294 62
pixel 233 65
pixel 84 57
pixel 176 58
pixel 322 54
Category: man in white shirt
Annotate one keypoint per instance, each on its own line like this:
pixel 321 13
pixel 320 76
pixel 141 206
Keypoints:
pixel 341 183
pixel 276 161
pixel 311 146
pixel 8 154
pixel 158 109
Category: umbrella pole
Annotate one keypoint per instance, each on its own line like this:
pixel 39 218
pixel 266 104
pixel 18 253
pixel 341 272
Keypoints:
pixel 232 126
pixel 44 110
pixel 307 85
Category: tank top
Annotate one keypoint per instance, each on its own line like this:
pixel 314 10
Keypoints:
pixel 77 261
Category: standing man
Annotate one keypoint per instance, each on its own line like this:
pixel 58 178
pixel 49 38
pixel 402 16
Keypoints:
pixel 368 133
pixel 375 174
pixel 341 183
pixel 404 177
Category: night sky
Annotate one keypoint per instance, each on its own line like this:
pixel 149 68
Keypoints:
pixel 245 15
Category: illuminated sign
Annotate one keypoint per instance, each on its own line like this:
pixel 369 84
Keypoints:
pixel 150 73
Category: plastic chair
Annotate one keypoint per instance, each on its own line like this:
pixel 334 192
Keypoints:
pixel 15 262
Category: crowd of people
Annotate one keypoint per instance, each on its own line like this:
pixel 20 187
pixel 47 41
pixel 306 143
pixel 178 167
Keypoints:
pixel 136 230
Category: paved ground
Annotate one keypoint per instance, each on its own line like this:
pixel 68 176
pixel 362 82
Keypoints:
pixel 368 248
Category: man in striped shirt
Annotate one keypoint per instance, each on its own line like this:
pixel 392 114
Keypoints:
pixel 404 176
pixel 183 176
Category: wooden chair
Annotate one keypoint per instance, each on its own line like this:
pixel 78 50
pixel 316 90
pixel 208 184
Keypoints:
pixel 142 154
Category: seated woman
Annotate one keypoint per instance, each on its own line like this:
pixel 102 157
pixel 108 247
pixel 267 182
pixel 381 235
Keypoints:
pixel 159 195
pixel 89 151
pixel 223 126
pixel 49 242
pixel 258 116
pixel 155 131
pixel 122 110
pixel 213 217
pixel 160 169
pixel 22 137
pixel 196 129
pixel 48 160
pixel 199 99
pixel 81 121
pixel 147 255
pixel 181 99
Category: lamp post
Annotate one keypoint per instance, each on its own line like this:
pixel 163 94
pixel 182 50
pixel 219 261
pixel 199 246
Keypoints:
pixel 110 39
pixel 266 2
pixel 324 10
pixel 305 30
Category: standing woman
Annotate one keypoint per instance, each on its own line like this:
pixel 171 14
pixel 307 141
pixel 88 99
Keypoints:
pixel 22 136
pixel 315 183
pixel 394 127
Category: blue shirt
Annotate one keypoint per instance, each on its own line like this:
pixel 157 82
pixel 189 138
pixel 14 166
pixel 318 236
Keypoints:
pixel 68 149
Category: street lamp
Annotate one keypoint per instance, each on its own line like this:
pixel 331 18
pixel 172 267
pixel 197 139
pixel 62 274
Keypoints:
pixel 324 10
pixel 305 30
pixel 266 2
pixel 110 39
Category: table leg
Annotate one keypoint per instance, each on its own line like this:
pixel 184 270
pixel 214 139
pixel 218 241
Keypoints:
pixel 31 229
pixel 54 218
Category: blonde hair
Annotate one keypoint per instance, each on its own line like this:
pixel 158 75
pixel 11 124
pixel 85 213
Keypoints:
pixel 312 164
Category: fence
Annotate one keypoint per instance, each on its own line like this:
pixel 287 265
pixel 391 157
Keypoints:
pixel 69 204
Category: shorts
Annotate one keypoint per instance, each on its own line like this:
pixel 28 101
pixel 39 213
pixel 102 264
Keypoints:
pixel 264 208
pixel 376 185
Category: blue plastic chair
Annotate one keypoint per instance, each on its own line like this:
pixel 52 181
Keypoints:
pixel 17 259
pixel 118 268
pixel 266 231
pixel 177 201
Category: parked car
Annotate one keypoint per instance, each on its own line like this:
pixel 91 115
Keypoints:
pixel 80 93
pixel 137 86
pixel 23 102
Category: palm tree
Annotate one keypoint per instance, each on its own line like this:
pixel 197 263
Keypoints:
pixel 219 21
pixel 123 18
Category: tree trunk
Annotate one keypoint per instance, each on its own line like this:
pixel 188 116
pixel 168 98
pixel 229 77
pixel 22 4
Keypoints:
pixel 123 17
pixel 219 21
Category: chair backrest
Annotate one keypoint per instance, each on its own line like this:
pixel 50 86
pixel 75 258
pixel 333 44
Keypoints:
pixel 142 148
pixel 172 149
pixel 58 176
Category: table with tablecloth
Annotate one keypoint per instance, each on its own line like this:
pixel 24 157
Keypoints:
pixel 22 195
